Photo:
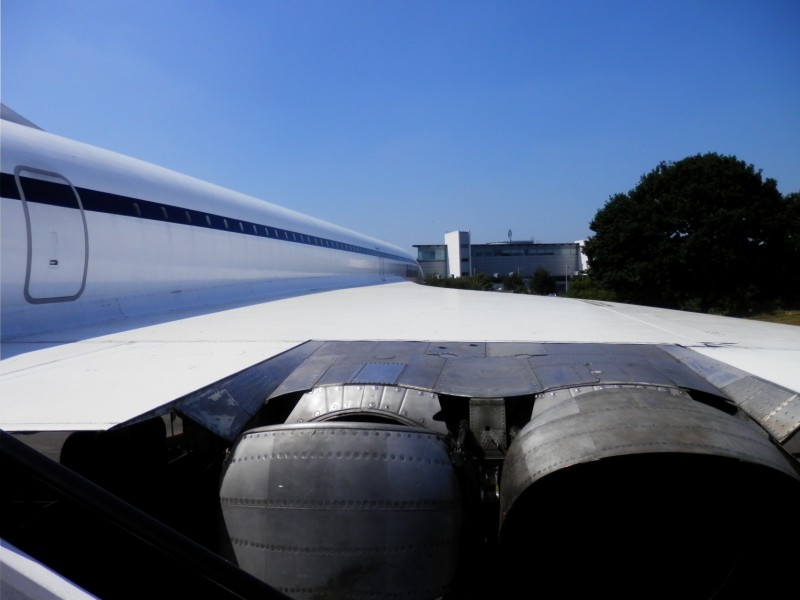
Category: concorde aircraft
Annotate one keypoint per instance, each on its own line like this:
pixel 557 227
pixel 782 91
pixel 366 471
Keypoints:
pixel 204 393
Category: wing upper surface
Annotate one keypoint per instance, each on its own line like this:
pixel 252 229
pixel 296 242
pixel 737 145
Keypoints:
pixel 101 381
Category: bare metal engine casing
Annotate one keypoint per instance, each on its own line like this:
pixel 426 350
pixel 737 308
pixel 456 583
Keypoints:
pixel 344 509
pixel 655 495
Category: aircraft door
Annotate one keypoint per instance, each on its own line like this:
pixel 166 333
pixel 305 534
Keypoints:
pixel 57 237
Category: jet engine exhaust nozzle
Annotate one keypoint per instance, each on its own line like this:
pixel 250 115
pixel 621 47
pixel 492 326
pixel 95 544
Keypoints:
pixel 645 492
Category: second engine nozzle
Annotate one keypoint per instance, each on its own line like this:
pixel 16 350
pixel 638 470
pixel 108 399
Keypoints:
pixel 646 493
pixel 344 510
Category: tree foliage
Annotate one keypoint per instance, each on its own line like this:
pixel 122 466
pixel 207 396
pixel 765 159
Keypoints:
pixel 791 287
pixel 705 233
pixel 479 281
pixel 542 283
pixel 587 289
pixel 513 282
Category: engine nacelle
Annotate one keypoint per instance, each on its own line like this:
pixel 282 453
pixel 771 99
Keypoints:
pixel 344 509
pixel 644 492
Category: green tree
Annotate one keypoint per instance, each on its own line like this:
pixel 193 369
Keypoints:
pixel 479 281
pixel 705 233
pixel 790 272
pixel 586 288
pixel 513 282
pixel 542 283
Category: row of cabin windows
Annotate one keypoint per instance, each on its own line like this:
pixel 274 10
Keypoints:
pixel 271 232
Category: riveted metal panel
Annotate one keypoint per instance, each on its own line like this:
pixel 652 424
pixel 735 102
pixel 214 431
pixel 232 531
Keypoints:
pixel 342 370
pixel 337 348
pixel 373 395
pixel 338 402
pixel 353 396
pixel 487 421
pixel 392 399
pixel 308 370
pixel 488 377
pixel 422 371
pixel 774 407
pixel 669 364
pixel 481 370
pixel 642 372
pixel 713 372
pixel 588 364
pixel 401 351
pixel 218 411
pixel 307 506
pixel 225 406
pixel 777 409
pixel 313 404
pixel 381 373
pixel 555 376
pixel 421 406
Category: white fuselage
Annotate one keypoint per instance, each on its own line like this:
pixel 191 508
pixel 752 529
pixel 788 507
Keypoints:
pixel 91 236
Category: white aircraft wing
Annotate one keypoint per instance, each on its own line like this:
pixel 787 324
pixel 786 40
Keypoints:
pixel 148 367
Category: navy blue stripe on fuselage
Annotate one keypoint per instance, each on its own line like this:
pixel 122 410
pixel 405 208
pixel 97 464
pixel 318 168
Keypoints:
pixel 46 192
pixel 8 187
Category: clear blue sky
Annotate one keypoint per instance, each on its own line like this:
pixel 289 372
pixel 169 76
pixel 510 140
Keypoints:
pixel 407 119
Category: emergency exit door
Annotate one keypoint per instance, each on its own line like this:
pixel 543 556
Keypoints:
pixel 57 237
